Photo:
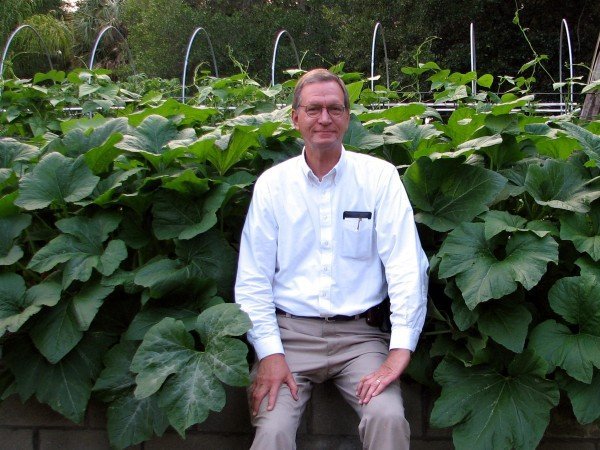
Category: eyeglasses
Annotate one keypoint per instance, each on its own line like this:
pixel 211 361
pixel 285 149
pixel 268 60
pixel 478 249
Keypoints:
pixel 315 110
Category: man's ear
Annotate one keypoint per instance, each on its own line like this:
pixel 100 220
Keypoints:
pixel 295 119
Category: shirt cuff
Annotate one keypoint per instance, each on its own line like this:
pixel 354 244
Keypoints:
pixel 268 346
pixel 402 337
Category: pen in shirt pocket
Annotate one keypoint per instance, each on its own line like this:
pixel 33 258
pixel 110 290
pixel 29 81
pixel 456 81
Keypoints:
pixel 360 215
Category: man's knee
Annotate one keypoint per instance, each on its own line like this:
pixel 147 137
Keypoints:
pixel 275 431
pixel 387 415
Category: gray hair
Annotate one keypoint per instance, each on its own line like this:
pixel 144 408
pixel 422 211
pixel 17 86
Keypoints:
pixel 319 76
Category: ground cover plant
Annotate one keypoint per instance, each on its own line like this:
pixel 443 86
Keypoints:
pixel 119 230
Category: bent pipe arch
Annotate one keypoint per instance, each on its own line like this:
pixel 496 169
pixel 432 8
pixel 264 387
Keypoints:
pixel 473 57
pixel 379 27
pixel 9 41
pixel 564 30
pixel 279 35
pixel 187 56
pixel 99 38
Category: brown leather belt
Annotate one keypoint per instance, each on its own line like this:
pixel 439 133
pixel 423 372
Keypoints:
pixel 337 318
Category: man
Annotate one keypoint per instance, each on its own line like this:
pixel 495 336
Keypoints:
pixel 329 234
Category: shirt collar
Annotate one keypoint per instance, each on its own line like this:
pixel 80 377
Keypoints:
pixel 334 174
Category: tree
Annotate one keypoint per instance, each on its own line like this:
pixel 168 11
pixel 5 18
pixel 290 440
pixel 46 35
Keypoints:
pixel 89 19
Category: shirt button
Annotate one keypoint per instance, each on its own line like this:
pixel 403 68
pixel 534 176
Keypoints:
pixel 325 243
pixel 323 294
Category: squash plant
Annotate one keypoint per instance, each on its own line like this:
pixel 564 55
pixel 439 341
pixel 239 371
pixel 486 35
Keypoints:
pixel 118 240
pixel 118 264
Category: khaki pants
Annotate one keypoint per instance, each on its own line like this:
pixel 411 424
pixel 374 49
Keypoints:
pixel 316 351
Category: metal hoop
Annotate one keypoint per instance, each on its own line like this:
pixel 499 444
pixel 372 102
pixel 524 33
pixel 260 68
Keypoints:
pixel 565 28
pixel 387 65
pixel 187 55
pixel 100 35
pixel 473 57
pixel 279 34
pixel 11 37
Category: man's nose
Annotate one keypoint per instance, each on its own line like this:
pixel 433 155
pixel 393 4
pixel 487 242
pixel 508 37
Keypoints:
pixel 324 116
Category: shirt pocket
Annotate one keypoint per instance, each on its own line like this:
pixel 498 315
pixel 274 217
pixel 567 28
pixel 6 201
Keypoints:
pixel 357 238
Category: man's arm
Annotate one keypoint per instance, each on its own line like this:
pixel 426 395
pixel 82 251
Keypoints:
pixel 256 270
pixel 254 294
pixel 406 274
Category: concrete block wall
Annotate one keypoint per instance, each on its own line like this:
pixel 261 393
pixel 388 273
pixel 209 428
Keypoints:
pixel 329 424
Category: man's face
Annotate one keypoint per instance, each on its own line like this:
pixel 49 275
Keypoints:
pixel 326 130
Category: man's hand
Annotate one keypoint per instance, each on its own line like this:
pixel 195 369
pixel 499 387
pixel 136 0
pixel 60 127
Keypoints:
pixel 391 369
pixel 273 371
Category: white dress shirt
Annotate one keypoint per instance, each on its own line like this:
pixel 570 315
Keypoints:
pixel 298 253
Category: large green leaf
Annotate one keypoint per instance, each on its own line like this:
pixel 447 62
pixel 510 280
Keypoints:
pixel 230 149
pixel 505 124
pixel 151 136
pixel 557 147
pixel 506 322
pixel 167 347
pixel 131 420
pixel 220 321
pixel 583 230
pixel 172 108
pixel 481 275
pixel 116 379
pixel 462 125
pixel 510 102
pixel 107 187
pixel 188 380
pixel 186 309
pixel 61 328
pixel 358 138
pixel 79 141
pixel 187 182
pixel 585 398
pixel 397 114
pixel 81 248
pixel 589 141
pixel 480 143
pixel 207 256
pixel 13 152
pixel 446 192
pixel 498 221
pixel 577 301
pixel 176 216
pixel 409 133
pixel 17 304
pixel 505 154
pixel 265 124
pixel 56 179
pixel 494 411
pixel 588 266
pixel 65 386
pixel 11 227
pixel 155 137
pixel 8 178
pixel 562 185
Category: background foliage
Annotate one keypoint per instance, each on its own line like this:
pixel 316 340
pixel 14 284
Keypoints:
pixel 119 231
pixel 116 275
pixel 324 31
